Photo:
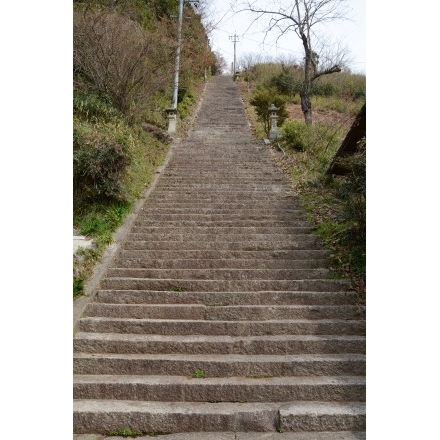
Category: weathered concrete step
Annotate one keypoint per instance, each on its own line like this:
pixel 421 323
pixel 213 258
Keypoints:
pixel 239 207
pixel 255 176
pixel 219 274
pixel 215 254
pixel 194 197
pixel 189 169
pixel 341 435
pixel 219 389
pixel 165 218
pixel 220 263
pixel 243 184
pixel 182 285
pixel 320 416
pixel 216 328
pixel 268 218
pixel 213 211
pixel 226 298
pixel 223 313
pixel 304 242
pixel 186 194
pixel 253 232
pixel 287 206
pixel 204 344
pixel 101 416
pixel 220 365
pixel 213 237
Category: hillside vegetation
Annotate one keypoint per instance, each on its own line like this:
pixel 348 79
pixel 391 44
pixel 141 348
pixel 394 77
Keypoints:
pixel 123 60
pixel 336 204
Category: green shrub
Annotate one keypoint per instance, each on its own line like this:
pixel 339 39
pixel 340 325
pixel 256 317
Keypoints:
pixel 323 88
pixel 97 168
pixel 295 135
pixel 286 83
pixel 262 99
pixel 93 107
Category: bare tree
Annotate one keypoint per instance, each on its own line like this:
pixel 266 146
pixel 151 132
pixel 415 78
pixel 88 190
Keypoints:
pixel 120 58
pixel 303 17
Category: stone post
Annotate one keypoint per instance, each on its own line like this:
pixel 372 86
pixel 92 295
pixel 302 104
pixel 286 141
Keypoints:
pixel 172 119
pixel 273 117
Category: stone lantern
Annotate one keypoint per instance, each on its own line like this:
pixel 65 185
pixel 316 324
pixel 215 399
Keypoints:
pixel 273 118
pixel 172 119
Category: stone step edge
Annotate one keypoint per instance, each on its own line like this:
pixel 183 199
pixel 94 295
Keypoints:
pixel 239 435
pixel 169 417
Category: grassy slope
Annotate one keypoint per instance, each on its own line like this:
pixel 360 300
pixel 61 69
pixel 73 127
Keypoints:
pixel 320 194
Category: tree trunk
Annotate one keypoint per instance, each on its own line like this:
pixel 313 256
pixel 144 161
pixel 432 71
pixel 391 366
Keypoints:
pixel 306 105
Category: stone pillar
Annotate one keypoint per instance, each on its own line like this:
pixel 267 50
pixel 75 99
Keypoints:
pixel 273 117
pixel 172 119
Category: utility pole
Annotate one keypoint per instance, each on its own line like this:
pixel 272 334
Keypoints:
pixel 172 111
pixel 234 39
pixel 177 63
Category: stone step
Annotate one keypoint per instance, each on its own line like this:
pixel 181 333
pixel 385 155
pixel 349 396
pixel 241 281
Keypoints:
pixel 222 313
pixel 101 416
pixel 215 254
pixel 192 236
pixel 219 389
pixel 99 324
pixel 276 232
pixel 206 344
pixel 206 198
pixel 300 242
pixel 219 274
pixel 236 435
pixel 182 285
pixel 217 210
pixel 257 366
pixel 220 263
pixel 226 298
pixel 221 221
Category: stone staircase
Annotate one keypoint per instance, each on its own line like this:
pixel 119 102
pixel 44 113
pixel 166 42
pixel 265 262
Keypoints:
pixel 219 318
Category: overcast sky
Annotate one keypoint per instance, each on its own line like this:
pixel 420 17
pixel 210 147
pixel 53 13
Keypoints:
pixel 353 34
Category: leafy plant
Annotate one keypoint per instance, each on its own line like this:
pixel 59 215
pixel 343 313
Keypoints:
pixel 262 100
pixel 295 135
pixel 125 432
pixel 199 374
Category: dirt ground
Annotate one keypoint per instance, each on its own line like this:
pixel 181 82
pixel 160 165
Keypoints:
pixel 320 115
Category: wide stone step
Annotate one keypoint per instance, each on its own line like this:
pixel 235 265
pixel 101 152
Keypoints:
pixel 236 435
pixel 219 389
pixel 214 211
pixel 206 344
pixel 207 198
pixel 305 242
pixel 272 232
pixel 214 254
pixel 188 327
pixel 226 298
pixel 101 416
pixel 219 274
pixel 182 285
pixel 220 264
pixel 220 221
pixel 223 313
pixel 192 235
pixel 257 366
pixel 284 206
